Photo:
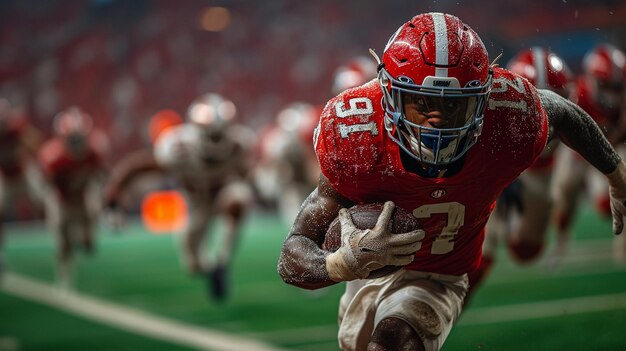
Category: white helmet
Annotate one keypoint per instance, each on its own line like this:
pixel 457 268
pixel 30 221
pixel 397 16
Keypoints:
pixel 211 111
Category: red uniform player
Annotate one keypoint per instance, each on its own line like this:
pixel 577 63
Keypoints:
pixel 20 177
pixel 452 131
pixel 523 214
pixel 73 163
pixel 600 92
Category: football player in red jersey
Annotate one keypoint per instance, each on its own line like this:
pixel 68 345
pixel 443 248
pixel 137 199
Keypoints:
pixel 600 91
pixel 209 157
pixel 451 133
pixel 20 176
pixel 525 228
pixel 74 165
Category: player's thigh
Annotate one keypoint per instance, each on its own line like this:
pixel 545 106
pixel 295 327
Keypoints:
pixel 200 213
pixel 234 198
pixel 569 175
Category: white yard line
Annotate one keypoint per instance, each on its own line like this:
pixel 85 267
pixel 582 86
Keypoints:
pixel 129 319
pixel 543 309
pixel 480 316
pixel 176 332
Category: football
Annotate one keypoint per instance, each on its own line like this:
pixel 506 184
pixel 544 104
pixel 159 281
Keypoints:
pixel 364 217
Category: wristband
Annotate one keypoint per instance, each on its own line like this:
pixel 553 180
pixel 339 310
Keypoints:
pixel 338 269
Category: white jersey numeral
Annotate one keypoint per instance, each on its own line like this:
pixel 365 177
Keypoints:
pixel 357 106
pixel 500 85
pixel 444 242
pixel 345 129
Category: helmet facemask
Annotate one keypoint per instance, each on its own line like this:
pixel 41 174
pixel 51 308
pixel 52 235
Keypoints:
pixel 214 115
pixel 437 122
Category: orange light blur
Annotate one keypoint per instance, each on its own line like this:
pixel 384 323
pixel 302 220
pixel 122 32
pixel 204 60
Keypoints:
pixel 215 19
pixel 164 212
pixel 161 121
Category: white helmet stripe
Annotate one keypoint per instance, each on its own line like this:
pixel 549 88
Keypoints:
pixel 441 43
pixel 539 59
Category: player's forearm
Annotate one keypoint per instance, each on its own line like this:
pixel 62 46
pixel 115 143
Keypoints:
pixel 575 128
pixel 303 264
pixel 127 170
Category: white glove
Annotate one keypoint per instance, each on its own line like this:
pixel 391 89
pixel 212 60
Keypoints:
pixel 617 194
pixel 365 250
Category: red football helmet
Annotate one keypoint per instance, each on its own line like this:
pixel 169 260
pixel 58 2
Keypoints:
pixel 72 121
pixel 606 62
pixel 355 72
pixel 605 66
pixel 543 68
pixel 435 65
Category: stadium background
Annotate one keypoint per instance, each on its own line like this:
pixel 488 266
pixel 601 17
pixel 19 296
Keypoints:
pixel 124 60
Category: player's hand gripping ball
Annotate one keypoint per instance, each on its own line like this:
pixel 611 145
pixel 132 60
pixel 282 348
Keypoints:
pixel 388 252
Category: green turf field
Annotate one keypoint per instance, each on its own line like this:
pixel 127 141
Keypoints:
pixel 136 277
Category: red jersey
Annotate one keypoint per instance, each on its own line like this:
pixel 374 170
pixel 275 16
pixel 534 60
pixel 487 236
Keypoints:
pixel 69 174
pixel 364 164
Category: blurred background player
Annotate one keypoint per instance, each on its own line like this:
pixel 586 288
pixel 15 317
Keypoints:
pixel 20 177
pixel 523 211
pixel 149 182
pixel 287 170
pixel 73 161
pixel 208 156
pixel 600 91
pixel 353 73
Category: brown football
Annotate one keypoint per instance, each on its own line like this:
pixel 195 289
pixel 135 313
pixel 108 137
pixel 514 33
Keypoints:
pixel 364 217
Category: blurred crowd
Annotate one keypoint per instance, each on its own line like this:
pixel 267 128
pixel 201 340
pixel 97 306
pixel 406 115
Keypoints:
pixel 122 61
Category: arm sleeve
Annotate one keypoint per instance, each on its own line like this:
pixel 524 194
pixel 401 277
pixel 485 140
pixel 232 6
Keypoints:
pixel 576 129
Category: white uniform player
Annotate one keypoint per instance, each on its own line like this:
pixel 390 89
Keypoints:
pixel 287 170
pixel 209 158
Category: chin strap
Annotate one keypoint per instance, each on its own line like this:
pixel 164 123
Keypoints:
pixel 434 172
pixel 379 63
pixel 494 63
